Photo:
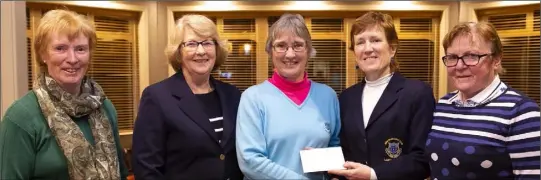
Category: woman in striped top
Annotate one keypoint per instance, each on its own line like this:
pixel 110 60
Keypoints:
pixel 486 129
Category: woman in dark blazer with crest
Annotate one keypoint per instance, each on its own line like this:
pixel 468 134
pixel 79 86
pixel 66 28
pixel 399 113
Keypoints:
pixel 185 127
pixel 385 117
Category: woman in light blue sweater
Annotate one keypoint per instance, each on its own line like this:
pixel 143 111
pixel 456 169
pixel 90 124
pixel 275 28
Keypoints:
pixel 287 113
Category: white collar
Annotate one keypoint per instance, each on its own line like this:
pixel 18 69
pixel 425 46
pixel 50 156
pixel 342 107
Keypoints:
pixel 493 90
pixel 382 80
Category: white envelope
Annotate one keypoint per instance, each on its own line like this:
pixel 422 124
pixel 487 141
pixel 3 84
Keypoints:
pixel 322 159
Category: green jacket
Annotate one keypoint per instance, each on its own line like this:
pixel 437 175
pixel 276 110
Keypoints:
pixel 28 150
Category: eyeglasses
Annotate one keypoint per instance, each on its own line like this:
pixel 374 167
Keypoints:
pixel 468 59
pixel 192 45
pixel 281 48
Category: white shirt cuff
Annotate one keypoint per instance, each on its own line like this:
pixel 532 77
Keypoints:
pixel 373 174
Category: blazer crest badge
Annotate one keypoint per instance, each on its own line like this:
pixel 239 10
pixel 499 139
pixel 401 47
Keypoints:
pixel 393 148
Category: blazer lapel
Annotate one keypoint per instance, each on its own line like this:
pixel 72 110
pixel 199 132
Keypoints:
pixel 228 121
pixel 190 105
pixel 357 104
pixel 388 98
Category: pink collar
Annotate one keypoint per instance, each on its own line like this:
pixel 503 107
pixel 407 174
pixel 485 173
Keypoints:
pixel 296 91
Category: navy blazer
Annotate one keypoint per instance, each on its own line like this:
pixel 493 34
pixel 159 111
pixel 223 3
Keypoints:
pixel 393 141
pixel 173 137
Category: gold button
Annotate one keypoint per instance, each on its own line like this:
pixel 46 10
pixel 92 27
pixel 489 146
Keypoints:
pixel 222 157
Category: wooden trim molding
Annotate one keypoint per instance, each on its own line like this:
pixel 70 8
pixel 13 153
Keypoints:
pixel 13 59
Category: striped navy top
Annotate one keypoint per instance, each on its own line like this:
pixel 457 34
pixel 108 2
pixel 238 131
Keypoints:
pixel 213 110
pixel 497 138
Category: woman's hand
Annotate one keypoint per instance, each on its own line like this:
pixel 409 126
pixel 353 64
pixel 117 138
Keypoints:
pixel 354 171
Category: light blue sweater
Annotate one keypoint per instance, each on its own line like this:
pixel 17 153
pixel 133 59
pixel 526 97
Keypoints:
pixel 272 130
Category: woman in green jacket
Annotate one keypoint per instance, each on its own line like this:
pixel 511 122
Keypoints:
pixel 65 128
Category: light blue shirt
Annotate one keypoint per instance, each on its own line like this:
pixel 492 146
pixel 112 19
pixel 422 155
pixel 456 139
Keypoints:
pixel 272 130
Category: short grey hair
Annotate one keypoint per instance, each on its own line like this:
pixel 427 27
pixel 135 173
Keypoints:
pixel 293 23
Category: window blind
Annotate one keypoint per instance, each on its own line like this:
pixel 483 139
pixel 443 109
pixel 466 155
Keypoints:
pixel 240 67
pixel 416 60
pixel 518 28
pixel 328 39
pixel 328 67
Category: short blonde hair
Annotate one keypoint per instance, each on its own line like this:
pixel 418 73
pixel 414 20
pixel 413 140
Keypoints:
pixel 202 26
pixel 484 30
pixel 63 22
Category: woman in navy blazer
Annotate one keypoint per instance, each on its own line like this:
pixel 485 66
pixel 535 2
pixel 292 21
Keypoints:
pixel 385 117
pixel 185 125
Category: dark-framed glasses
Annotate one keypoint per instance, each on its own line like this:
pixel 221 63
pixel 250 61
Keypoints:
pixel 192 45
pixel 297 47
pixel 468 59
